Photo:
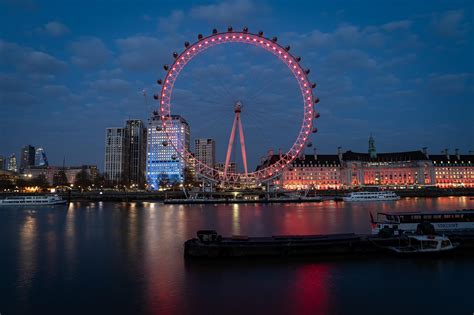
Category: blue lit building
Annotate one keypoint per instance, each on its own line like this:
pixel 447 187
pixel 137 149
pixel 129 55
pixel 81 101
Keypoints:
pixel 163 163
pixel 40 157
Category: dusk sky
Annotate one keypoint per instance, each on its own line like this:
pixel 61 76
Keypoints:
pixel 402 71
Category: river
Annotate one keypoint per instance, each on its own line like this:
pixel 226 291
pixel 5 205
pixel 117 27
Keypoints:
pixel 127 258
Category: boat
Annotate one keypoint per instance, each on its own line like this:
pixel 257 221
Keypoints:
pixel 36 200
pixel 371 196
pixel 423 245
pixel 454 221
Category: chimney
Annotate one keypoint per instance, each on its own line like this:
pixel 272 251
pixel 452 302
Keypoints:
pixel 445 152
pixel 456 151
pixel 339 153
pixel 315 154
pixel 425 151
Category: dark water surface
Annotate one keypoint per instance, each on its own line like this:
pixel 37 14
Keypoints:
pixel 127 258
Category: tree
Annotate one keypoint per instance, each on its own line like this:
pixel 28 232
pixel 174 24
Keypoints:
pixel 83 179
pixel 164 180
pixel 189 178
pixel 99 180
pixel 60 179
pixel 41 181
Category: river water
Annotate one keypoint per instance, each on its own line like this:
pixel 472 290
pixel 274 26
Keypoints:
pixel 127 258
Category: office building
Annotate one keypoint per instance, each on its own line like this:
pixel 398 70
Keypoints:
pixel 27 157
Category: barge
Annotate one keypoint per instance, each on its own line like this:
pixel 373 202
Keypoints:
pixel 209 244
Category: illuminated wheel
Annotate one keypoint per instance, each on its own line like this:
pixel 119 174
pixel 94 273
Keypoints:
pixel 267 170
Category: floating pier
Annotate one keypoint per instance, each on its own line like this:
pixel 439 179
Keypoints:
pixel 209 244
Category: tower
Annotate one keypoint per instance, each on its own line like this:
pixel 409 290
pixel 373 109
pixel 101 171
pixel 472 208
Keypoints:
pixel 237 121
pixel 372 151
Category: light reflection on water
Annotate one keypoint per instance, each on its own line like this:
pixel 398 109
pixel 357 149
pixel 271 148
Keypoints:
pixel 130 256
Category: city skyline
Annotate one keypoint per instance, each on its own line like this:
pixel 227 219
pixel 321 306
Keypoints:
pixel 402 74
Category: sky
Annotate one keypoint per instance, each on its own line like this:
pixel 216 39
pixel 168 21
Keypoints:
pixel 402 71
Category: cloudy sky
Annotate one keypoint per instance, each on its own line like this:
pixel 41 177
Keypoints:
pixel 401 70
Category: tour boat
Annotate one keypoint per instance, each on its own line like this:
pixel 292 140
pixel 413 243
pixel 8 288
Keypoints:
pixel 423 245
pixel 37 200
pixel 443 221
pixel 371 196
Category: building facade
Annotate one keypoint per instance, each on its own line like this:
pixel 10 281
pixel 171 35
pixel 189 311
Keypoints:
pixel 40 157
pixel 50 171
pixel 453 170
pixel 232 168
pixel 27 157
pixel 205 151
pixel 12 164
pixel 164 163
pixel 115 148
pixel 135 152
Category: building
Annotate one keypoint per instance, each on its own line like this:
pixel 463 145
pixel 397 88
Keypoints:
pixel 27 157
pixel 11 163
pixel 135 152
pixel 453 170
pixel 205 151
pixel 164 163
pixel 40 157
pixel 232 168
pixel 115 157
pixel 70 171
pixel 2 163
pixel 315 171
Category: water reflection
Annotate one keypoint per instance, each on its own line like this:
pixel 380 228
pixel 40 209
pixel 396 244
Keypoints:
pixel 28 255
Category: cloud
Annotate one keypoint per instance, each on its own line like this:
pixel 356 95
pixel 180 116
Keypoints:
pixel 171 22
pixel 227 12
pixel 451 83
pixel 397 25
pixel 351 59
pixel 450 24
pixel 54 29
pixel 111 86
pixel 89 52
pixel 28 60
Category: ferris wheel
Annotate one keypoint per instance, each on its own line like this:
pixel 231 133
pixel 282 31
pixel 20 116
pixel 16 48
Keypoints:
pixel 272 168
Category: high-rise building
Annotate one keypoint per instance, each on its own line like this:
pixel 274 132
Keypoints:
pixel 2 163
pixel 205 151
pixel 135 152
pixel 114 163
pixel 11 163
pixel 232 168
pixel 164 163
pixel 27 157
pixel 40 157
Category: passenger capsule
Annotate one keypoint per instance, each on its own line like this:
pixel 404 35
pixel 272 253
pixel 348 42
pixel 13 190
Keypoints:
pixel 174 157
pixel 315 130
pixel 309 144
pixel 165 143
pixel 166 67
pixel 186 44
pixel 158 128
pixel 175 55
pixel 246 29
pixel 313 85
pixel 298 58
pixel 287 48
pixel 307 71
pixel 156 96
pixel 316 100
pixel 155 112
pixel 274 39
pixel 214 31
pixel 199 36
pixel 159 81
pixel 229 29
pixel 317 115
pixel 260 33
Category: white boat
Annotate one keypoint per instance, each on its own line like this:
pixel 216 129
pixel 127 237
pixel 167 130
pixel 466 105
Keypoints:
pixel 442 221
pixel 423 245
pixel 371 196
pixel 36 200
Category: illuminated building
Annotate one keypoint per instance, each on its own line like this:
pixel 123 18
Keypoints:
pixel 232 168
pixel 11 163
pixel 164 163
pixel 316 171
pixel 135 152
pixel 70 171
pixel 27 157
pixel 453 170
pixel 40 157
pixel 114 163
pixel 205 151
